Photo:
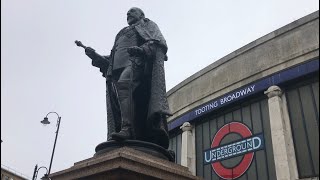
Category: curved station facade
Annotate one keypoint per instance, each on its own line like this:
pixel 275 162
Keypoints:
pixel 253 114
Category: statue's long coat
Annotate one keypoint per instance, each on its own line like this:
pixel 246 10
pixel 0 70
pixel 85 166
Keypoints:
pixel 154 124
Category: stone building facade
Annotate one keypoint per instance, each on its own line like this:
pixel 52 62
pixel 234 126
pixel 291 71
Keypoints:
pixel 253 114
pixel 7 174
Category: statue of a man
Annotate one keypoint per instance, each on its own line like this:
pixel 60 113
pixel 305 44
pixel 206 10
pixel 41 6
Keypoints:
pixel 137 105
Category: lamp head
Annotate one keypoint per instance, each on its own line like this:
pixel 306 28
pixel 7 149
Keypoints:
pixel 45 177
pixel 45 121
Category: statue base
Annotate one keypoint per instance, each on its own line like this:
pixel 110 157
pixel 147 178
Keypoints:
pixel 124 163
pixel 147 147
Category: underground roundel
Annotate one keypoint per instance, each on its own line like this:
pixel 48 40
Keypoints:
pixel 244 147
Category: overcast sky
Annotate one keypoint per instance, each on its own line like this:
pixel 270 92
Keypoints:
pixel 42 70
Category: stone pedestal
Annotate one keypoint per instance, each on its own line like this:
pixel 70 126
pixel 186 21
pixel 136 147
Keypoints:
pixel 124 163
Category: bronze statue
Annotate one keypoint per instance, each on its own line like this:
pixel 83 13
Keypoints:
pixel 137 105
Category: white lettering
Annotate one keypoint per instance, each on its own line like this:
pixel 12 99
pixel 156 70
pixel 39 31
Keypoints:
pixel 243 92
pixel 205 156
pixel 197 111
pixel 206 108
pixel 244 145
pixel 252 87
pixel 221 101
pixel 238 147
pixel 225 99
pixel 215 104
pixel 233 96
pixel 256 139
pixel 214 154
pixel 234 149
pixel 249 144
pixel 203 109
pixel 218 153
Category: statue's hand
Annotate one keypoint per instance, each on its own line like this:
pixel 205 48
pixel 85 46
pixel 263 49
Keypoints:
pixel 135 51
pixel 89 51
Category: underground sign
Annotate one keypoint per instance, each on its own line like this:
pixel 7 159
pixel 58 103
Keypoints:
pixel 244 147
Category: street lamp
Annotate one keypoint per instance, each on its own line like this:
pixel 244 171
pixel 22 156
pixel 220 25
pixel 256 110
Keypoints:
pixel 45 121
pixel 36 170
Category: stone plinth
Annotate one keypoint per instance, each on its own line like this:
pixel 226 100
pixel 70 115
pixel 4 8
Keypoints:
pixel 124 163
pixel 147 147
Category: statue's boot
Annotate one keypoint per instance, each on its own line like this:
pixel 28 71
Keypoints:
pixel 126 108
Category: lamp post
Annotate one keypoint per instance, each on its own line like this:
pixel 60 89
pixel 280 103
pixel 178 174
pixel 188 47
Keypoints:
pixel 35 173
pixel 45 121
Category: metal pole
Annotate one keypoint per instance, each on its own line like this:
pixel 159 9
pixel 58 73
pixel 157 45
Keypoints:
pixel 34 172
pixel 54 146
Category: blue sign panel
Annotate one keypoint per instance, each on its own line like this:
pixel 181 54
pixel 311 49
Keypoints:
pixel 246 91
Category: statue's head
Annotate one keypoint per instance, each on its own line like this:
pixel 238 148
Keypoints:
pixel 134 15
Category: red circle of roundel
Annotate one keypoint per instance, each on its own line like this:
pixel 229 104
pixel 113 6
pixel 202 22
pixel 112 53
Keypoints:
pixel 242 167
